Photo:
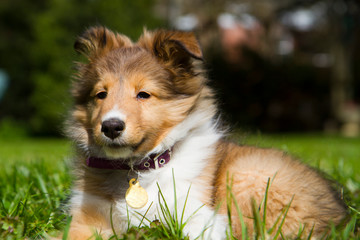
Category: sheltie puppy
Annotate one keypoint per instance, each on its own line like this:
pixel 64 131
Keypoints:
pixel 145 126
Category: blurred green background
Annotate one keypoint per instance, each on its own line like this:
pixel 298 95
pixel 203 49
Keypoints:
pixel 277 65
pixel 36 48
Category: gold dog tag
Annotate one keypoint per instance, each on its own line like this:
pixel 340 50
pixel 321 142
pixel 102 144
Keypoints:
pixel 136 196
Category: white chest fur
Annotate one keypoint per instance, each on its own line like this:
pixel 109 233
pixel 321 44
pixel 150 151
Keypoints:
pixel 181 197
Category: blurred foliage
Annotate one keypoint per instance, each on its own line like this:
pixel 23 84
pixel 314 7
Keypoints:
pixel 12 130
pixel 262 89
pixel 36 43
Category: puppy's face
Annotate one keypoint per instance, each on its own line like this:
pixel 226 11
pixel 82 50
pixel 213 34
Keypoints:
pixel 130 95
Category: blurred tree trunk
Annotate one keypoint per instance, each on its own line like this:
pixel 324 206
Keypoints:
pixel 342 34
pixel 341 78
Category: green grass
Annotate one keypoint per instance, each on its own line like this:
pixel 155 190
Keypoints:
pixel 35 182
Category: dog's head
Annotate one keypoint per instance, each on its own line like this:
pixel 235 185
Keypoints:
pixel 128 96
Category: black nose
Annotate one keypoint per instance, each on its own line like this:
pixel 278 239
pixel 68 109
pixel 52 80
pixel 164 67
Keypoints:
pixel 112 128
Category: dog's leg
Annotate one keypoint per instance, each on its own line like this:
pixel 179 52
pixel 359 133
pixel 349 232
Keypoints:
pixel 90 217
pixel 87 223
pixel 206 224
pixel 203 222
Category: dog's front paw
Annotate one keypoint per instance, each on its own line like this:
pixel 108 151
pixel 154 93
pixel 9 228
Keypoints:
pixel 216 229
pixel 207 227
pixel 87 232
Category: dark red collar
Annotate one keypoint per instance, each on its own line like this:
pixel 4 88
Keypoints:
pixel 154 161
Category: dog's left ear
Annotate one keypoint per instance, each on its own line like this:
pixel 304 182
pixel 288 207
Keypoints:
pixel 97 41
pixel 174 47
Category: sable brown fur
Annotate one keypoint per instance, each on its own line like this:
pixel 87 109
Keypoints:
pixel 313 202
pixel 168 65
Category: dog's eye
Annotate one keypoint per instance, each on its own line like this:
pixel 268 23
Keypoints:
pixel 101 95
pixel 143 95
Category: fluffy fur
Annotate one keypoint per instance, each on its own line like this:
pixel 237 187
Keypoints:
pixel 178 111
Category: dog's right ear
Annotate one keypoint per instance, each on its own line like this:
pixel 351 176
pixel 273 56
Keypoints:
pixel 97 41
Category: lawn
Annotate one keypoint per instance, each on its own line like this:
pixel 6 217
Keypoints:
pixel 35 179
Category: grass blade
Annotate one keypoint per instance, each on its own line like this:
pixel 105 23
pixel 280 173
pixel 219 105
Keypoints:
pixel 67 228
pixel 258 225
pixel 229 202
pixel 183 211
pixel 350 227
pixel 311 233
pixel 144 216
pixel 165 211
pixel 175 198
pixel 112 222
pixel 265 200
pixel 241 217
pixel 283 219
